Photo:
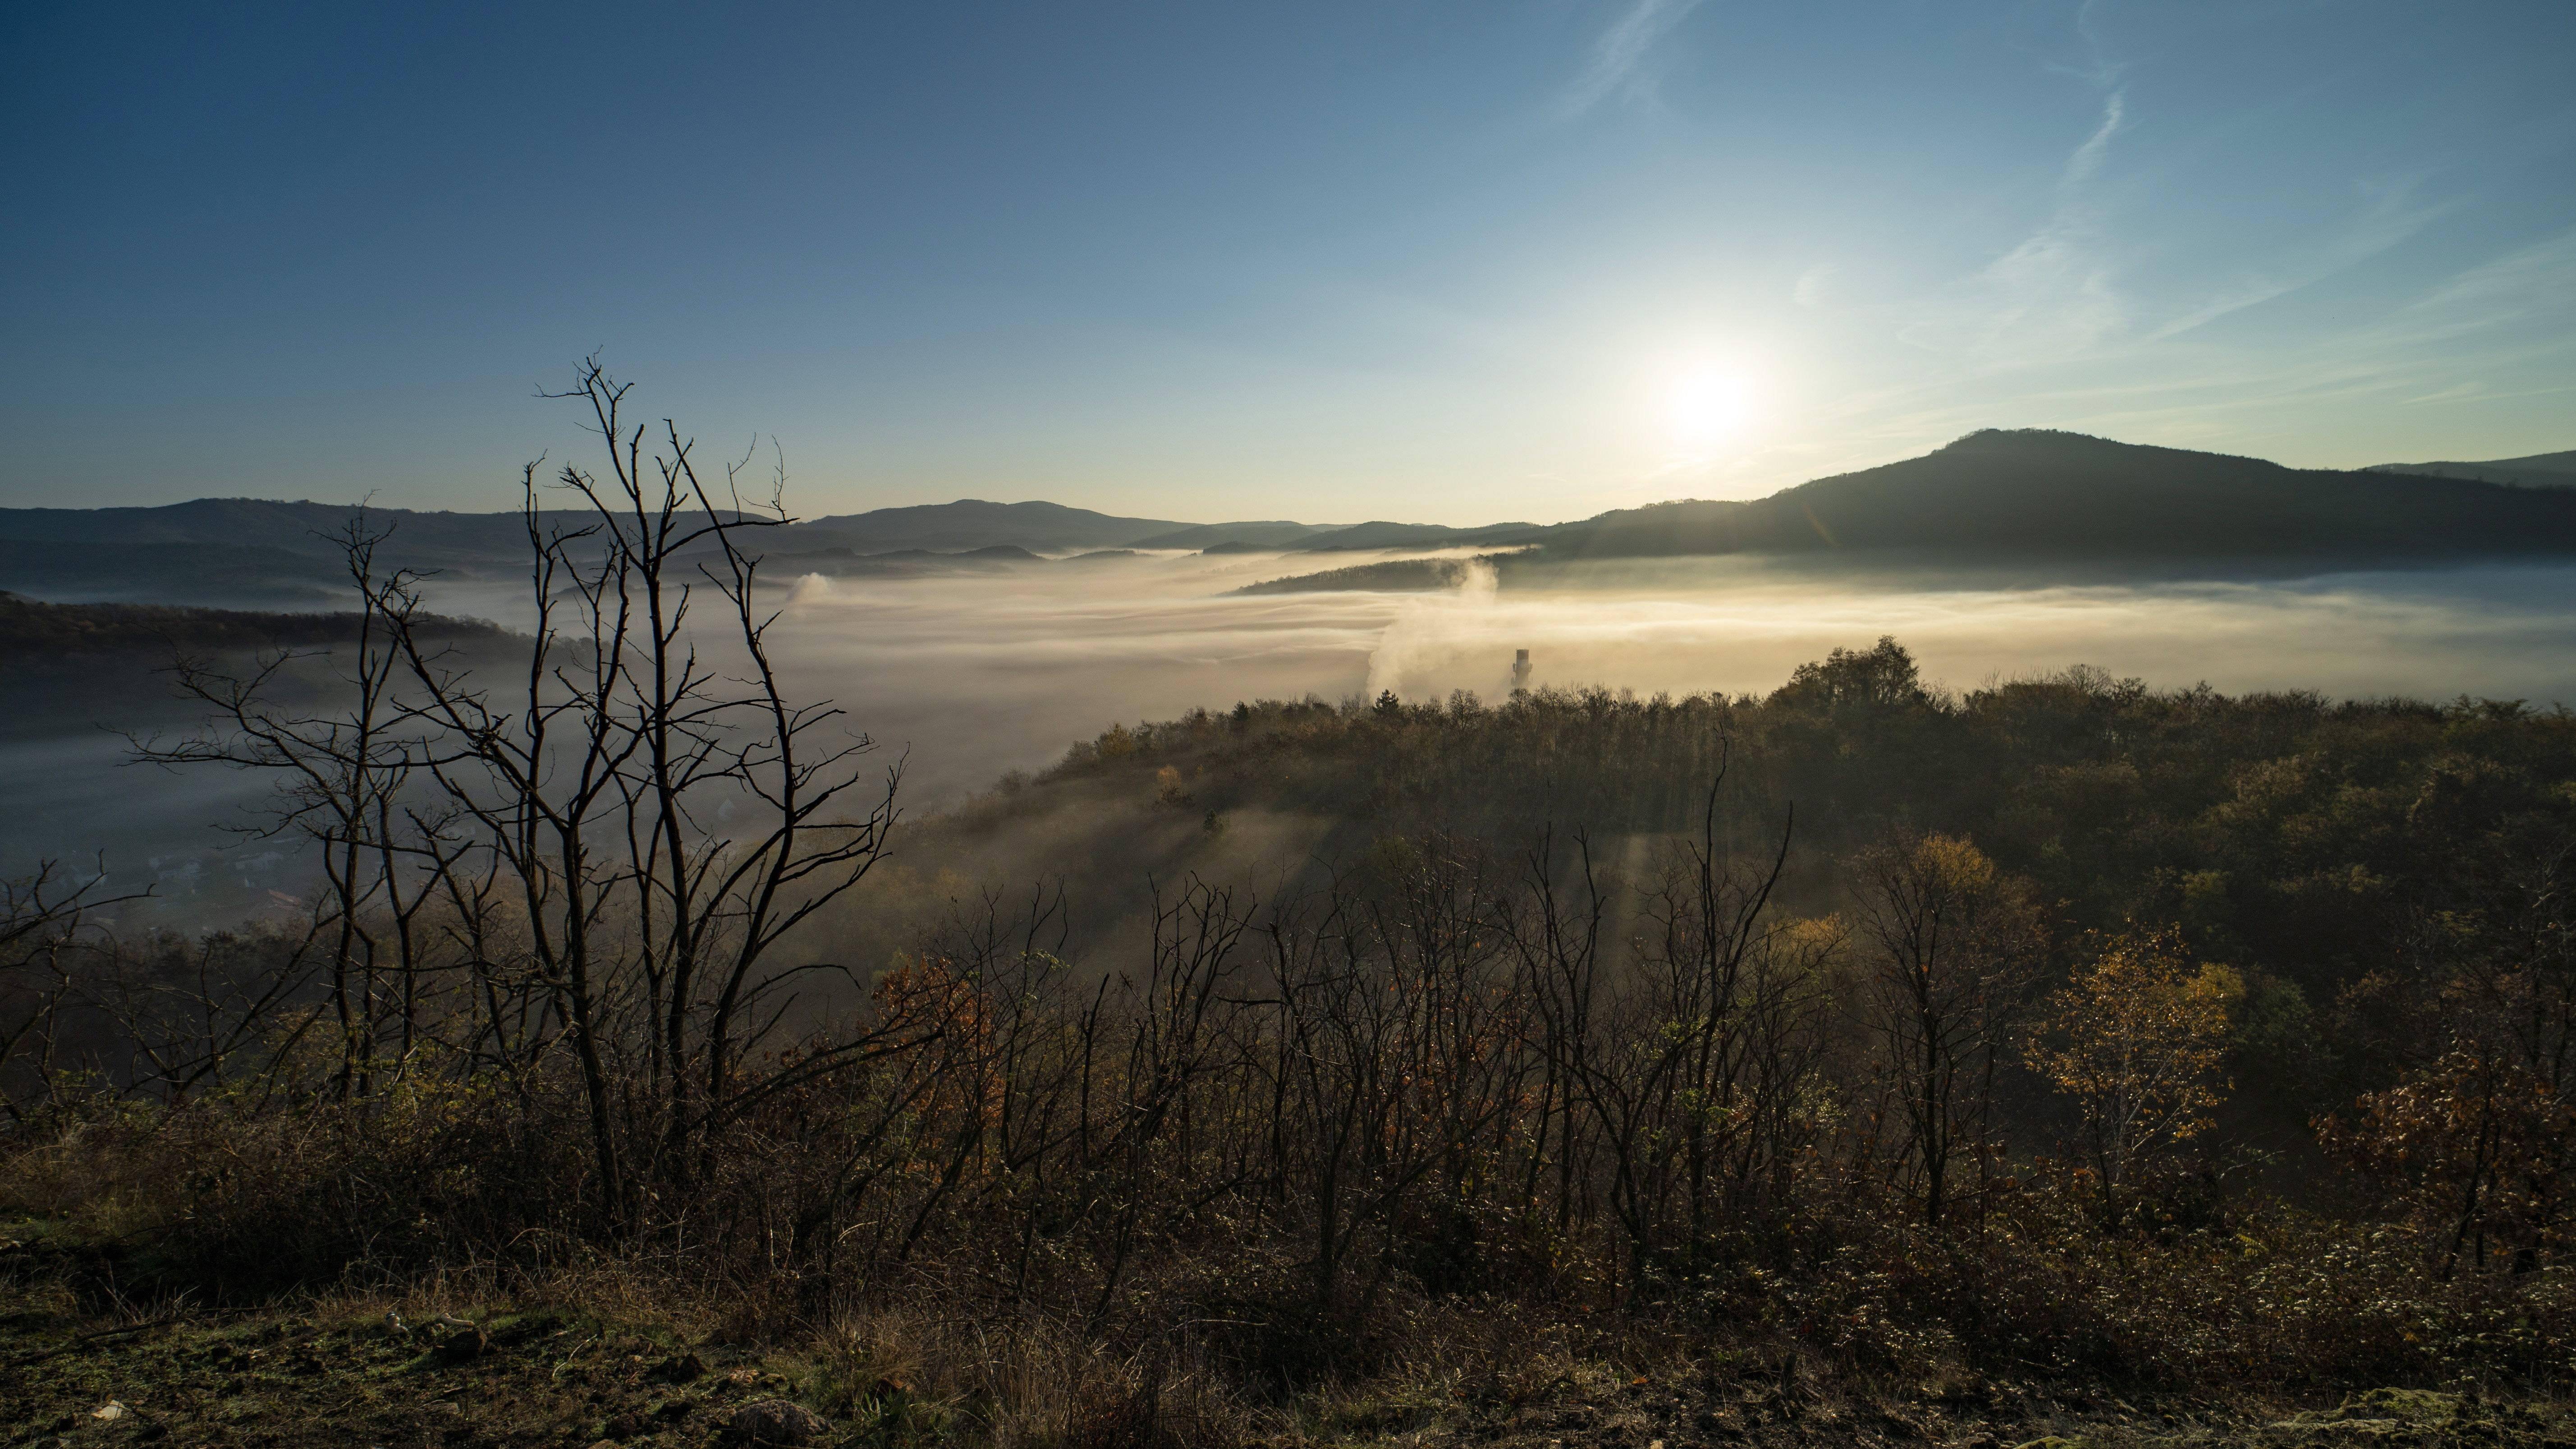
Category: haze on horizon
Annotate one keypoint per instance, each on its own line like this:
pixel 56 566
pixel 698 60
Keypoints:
pixel 1443 263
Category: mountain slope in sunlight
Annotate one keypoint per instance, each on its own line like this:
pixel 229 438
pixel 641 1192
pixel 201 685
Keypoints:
pixel 1998 494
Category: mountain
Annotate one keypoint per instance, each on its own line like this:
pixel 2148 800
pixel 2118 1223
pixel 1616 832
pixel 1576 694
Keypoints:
pixel 248 550
pixel 168 572
pixel 1994 496
pixel 301 527
pixel 244 550
pixel 894 563
pixel 972 523
pixel 2033 493
pixel 1236 537
pixel 1419 535
pixel 2540 470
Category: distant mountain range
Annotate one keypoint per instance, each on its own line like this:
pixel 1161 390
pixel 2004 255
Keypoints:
pixel 2540 470
pixel 1992 496
pixel 972 523
pixel 244 550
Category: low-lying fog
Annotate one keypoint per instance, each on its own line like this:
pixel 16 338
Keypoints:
pixel 975 675
pixel 988 674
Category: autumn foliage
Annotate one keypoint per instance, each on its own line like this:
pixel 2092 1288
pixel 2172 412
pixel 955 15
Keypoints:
pixel 2135 1043
pixel 2064 1029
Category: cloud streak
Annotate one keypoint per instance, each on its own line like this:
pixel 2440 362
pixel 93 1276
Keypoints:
pixel 1621 63
pixel 2088 157
pixel 2054 294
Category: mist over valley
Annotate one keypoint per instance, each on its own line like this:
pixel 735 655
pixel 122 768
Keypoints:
pixel 974 640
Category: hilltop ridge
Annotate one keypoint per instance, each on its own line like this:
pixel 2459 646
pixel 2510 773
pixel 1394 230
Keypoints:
pixel 1992 495
pixel 2539 470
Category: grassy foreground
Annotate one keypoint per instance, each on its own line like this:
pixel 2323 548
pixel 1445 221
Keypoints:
pixel 453 1365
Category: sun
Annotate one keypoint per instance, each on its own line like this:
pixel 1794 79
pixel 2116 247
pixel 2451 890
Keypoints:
pixel 1707 405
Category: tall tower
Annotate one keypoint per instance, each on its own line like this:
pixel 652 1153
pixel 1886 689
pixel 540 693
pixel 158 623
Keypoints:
pixel 1520 670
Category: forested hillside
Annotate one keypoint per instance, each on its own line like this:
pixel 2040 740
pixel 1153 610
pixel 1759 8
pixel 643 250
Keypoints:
pixel 2335 852
pixel 38 635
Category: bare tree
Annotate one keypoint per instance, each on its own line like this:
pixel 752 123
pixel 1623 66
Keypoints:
pixel 605 846
pixel 342 769
pixel 1956 947
pixel 1733 999
pixel 664 818
pixel 41 916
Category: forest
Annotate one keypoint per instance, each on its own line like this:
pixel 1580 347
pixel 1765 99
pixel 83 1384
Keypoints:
pixel 1855 1061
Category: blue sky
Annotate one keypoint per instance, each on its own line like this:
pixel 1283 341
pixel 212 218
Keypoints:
pixel 1447 262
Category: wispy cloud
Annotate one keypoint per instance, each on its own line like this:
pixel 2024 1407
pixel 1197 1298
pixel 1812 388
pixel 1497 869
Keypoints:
pixel 2088 157
pixel 2508 316
pixel 2393 213
pixel 2533 282
pixel 1621 65
pixel 2067 291
pixel 2054 293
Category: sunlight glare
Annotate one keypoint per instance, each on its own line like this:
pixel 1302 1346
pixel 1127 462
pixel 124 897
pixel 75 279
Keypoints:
pixel 1706 406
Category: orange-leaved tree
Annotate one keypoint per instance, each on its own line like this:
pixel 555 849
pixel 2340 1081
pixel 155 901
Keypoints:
pixel 2475 1150
pixel 2135 1041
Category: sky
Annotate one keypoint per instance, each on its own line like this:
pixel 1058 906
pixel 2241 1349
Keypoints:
pixel 1441 262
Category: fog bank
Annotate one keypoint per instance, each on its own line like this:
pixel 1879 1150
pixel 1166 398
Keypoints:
pixel 979 676
pixel 965 678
